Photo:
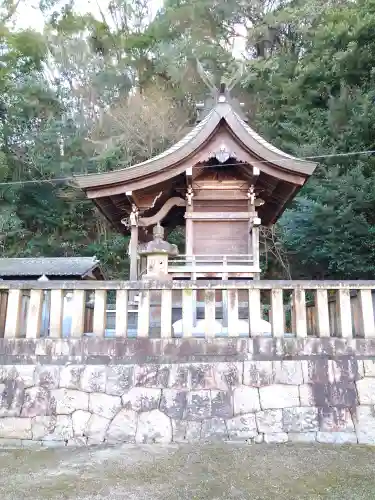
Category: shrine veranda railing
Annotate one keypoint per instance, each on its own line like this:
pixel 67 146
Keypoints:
pixel 187 309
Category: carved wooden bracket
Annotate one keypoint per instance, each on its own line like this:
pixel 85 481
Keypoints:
pixel 159 216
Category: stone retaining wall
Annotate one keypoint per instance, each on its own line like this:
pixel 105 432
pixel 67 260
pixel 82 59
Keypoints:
pixel 91 391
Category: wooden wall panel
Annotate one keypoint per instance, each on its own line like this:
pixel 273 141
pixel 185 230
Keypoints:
pixel 220 237
pixel 221 206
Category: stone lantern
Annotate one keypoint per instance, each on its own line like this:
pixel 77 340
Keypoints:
pixel 157 252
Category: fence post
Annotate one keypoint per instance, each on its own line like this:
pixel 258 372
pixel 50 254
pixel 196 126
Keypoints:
pixel 367 313
pixel 143 314
pixel 34 315
pixel 78 316
pixel 344 319
pixel 13 315
pixel 233 313
pixel 166 314
pixel 187 312
pixel 254 312
pixel 209 313
pixel 56 314
pixel 121 313
pixel 277 313
pixel 100 306
pixel 322 313
pixel 299 309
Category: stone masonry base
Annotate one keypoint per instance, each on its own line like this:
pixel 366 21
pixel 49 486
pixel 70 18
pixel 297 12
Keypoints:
pixel 86 392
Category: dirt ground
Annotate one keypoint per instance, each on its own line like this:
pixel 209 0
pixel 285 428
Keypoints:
pixel 209 472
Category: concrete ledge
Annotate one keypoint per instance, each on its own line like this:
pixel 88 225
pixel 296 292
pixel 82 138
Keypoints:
pixel 160 351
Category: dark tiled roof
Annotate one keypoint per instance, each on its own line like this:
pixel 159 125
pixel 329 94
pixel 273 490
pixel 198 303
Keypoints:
pixel 49 266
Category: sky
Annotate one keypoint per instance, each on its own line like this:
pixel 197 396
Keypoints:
pixel 29 15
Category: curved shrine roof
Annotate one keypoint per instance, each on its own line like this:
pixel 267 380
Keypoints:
pixel 190 143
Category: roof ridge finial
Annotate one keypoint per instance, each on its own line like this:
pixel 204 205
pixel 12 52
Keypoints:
pixel 207 78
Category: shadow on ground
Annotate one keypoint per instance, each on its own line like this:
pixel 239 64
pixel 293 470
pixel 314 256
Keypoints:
pixel 208 472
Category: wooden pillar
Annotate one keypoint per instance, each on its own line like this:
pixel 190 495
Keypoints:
pixel 189 227
pixel 256 246
pixel 133 253
pixel 189 236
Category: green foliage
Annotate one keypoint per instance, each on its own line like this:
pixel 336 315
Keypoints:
pixel 309 82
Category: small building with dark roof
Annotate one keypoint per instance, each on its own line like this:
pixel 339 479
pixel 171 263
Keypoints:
pixel 52 268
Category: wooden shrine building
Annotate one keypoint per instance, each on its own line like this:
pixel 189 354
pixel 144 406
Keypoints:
pixel 221 181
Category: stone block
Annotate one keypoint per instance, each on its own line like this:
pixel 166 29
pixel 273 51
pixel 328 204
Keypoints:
pixel 193 431
pixel 214 429
pixel 146 375
pixel 342 394
pixel 141 399
pixel 288 372
pixel 25 374
pixel 245 400
pixel 366 391
pixel 173 403
pixel 328 371
pixel 38 402
pixel 96 429
pixel 276 437
pixel 42 426
pixel 63 430
pixel 104 405
pixel 269 421
pixel 202 376
pixel 163 376
pixel 70 376
pixel 347 369
pixel 15 428
pixel 11 397
pixel 302 437
pixel 299 419
pixel 306 395
pixel 335 420
pixel 221 404
pixel 198 405
pixel 179 431
pixel 369 367
pixel 80 420
pixel 228 375
pixel 47 377
pixel 364 421
pixel 279 396
pixel 123 427
pixel 317 371
pixel 337 437
pixel 242 427
pixel 93 378
pixel 179 377
pixel 69 400
pixel 153 427
pixel 258 373
pixel 120 378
